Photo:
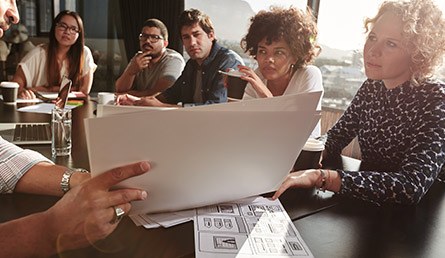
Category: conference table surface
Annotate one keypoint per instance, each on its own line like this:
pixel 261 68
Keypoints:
pixel 331 225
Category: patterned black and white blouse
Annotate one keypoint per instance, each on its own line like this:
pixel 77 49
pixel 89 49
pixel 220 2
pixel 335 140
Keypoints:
pixel 401 133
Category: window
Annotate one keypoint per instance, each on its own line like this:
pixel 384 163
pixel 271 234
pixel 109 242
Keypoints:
pixel 341 36
pixel 27 10
pixel 100 33
pixel 230 31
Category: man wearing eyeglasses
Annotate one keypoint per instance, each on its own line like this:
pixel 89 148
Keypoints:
pixel 155 67
pixel 200 83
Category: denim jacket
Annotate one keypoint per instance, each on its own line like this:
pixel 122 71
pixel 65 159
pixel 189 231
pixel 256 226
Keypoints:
pixel 213 91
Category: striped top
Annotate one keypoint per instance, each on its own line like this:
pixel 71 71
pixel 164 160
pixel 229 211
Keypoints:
pixel 14 163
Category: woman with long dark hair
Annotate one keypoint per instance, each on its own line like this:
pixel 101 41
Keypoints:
pixel 65 55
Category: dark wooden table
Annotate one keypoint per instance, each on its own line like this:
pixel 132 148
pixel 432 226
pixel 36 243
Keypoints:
pixel 330 225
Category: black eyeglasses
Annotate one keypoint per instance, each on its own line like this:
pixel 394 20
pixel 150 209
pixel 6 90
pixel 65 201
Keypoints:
pixel 152 38
pixel 63 26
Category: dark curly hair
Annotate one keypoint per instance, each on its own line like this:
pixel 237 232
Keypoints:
pixel 296 27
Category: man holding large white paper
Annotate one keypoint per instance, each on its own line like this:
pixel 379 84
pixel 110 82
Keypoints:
pixel 87 213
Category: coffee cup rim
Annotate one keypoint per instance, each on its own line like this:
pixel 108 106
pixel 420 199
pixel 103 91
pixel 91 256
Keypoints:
pixel 9 85
pixel 313 145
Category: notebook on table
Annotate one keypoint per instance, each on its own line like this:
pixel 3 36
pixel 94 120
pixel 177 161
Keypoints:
pixel 35 133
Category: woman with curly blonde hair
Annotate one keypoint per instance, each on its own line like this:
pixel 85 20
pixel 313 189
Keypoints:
pixel 398 114
pixel 283 43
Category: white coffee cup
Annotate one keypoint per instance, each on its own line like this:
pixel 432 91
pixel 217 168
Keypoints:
pixel 9 92
pixel 106 98
pixel 313 145
pixel 309 157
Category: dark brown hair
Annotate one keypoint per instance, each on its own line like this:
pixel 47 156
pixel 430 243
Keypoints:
pixel 157 24
pixel 192 16
pixel 296 27
pixel 75 54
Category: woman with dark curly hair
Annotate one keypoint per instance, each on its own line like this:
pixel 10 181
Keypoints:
pixel 283 43
pixel 398 114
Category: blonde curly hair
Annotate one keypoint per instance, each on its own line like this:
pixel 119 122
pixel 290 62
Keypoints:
pixel 423 32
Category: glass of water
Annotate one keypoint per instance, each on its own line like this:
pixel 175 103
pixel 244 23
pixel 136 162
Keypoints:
pixel 61 132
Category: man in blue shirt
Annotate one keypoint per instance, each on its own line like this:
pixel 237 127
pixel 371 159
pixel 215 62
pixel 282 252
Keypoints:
pixel 200 83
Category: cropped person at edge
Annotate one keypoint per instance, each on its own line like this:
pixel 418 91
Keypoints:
pixel 85 214
pixel 398 113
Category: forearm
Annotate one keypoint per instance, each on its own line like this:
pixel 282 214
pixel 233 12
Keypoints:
pixel 163 99
pixel 142 93
pixel 28 237
pixel 124 82
pixel 87 82
pixel 45 178
pixel 161 85
pixel 263 92
pixel 333 180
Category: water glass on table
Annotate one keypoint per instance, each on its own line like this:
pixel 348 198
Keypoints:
pixel 61 132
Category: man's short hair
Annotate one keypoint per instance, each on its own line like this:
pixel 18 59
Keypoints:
pixel 157 24
pixel 192 16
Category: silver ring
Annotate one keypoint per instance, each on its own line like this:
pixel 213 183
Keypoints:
pixel 118 215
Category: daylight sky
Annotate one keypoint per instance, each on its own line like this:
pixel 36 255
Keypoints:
pixel 340 21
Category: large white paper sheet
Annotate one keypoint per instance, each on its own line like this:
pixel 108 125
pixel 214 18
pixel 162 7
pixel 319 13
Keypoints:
pixel 254 227
pixel 201 157
pixel 42 108
pixel 300 101
pixel 108 110
pixel 53 95
pixel 19 101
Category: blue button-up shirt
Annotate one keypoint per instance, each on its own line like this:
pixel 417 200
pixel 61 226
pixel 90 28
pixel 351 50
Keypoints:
pixel 213 91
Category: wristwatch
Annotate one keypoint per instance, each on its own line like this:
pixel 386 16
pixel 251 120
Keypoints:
pixel 65 183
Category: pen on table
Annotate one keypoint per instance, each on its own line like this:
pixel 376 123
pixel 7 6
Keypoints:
pixel 41 97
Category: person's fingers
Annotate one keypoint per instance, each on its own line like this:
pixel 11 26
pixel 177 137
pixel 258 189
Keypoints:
pixel 122 196
pixel 242 67
pixel 290 181
pixel 30 94
pixel 100 224
pixel 284 186
pixel 125 207
pixel 224 80
pixel 120 100
pixel 24 94
pixel 116 175
pixel 139 103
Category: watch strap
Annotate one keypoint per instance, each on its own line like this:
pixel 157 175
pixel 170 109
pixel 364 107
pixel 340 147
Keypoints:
pixel 65 183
